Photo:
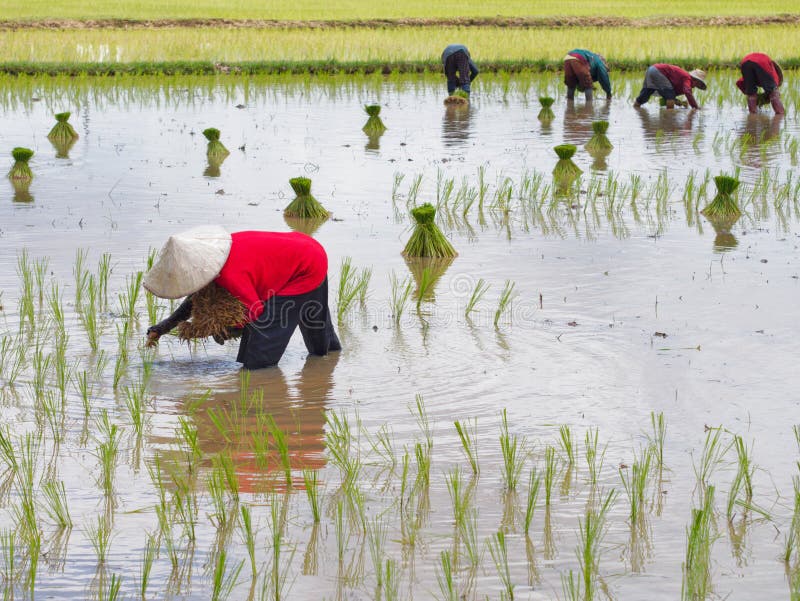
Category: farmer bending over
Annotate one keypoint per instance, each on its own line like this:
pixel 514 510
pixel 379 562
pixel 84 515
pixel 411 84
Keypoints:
pixel 581 69
pixel 670 81
pixel 760 71
pixel 280 278
pixel 456 59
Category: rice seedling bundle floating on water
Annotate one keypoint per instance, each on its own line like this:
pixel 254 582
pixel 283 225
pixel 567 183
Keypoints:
pixel 216 150
pixel 459 97
pixel 546 114
pixel 427 240
pixel 215 312
pixel 565 168
pixel 374 125
pixel 304 205
pixel 21 171
pixel 723 206
pixel 62 132
pixel 599 141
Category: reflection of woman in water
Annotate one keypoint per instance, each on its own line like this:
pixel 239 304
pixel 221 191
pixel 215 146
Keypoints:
pixel 666 122
pixel 578 121
pixel 456 124
pixel 298 409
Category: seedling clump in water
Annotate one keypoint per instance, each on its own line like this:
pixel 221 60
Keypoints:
pixel 566 169
pixel 304 206
pixel 62 132
pixel 21 172
pixel 724 206
pixel 599 141
pixel 546 114
pixel 374 125
pixel 427 240
pixel 459 97
pixel 216 151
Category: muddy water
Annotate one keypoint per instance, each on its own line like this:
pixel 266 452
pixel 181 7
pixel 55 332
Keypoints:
pixel 580 345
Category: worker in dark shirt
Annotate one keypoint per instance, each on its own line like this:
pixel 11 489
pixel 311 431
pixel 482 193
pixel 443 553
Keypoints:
pixel 670 81
pixel 459 68
pixel 760 71
pixel 581 69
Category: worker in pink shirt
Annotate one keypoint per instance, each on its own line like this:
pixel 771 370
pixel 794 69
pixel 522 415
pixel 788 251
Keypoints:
pixel 669 82
pixel 280 278
pixel 760 71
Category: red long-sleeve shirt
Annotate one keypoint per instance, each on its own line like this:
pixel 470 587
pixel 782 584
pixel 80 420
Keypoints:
pixel 681 81
pixel 763 61
pixel 266 264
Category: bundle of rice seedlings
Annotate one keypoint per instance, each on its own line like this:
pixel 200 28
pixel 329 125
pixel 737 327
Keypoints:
pixel 546 114
pixel 565 168
pixel 457 97
pixel 21 172
pixel 599 141
pixel 427 240
pixel 62 131
pixel 216 150
pixel 215 312
pixel 724 206
pixel 427 271
pixel 374 125
pixel 678 102
pixel 304 205
pixel 22 191
pixel 762 99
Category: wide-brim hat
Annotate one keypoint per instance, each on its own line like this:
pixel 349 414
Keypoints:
pixel 188 261
pixel 700 78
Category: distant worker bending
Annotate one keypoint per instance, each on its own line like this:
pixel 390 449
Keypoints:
pixel 760 71
pixel 669 82
pixel 581 69
pixel 459 68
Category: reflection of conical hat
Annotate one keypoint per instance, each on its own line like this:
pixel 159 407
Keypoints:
pixel 189 261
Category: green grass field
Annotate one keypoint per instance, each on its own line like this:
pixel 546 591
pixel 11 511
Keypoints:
pixel 704 45
pixel 363 9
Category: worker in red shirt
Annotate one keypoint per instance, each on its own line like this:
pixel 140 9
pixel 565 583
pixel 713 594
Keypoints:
pixel 760 71
pixel 670 81
pixel 281 278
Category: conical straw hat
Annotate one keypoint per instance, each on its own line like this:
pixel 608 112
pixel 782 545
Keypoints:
pixel 188 261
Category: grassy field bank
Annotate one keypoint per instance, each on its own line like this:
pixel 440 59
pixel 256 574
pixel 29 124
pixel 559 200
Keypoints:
pixel 411 49
pixel 359 9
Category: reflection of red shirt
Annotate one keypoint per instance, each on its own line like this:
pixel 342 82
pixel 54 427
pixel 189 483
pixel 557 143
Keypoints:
pixel 763 61
pixel 266 264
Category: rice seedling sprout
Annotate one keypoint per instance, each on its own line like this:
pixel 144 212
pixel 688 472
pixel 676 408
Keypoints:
pixel 696 584
pixel 480 289
pixel 513 451
pixel 504 303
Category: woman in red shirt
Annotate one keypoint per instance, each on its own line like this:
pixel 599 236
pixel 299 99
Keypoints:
pixel 760 71
pixel 281 278
pixel 670 81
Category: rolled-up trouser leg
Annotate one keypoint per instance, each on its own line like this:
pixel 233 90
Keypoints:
pixel 775 100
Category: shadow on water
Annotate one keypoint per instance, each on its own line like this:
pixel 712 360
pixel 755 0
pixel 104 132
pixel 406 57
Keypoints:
pixel 457 124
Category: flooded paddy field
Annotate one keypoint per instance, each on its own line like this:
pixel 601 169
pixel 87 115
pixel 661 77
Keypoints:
pixel 643 370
